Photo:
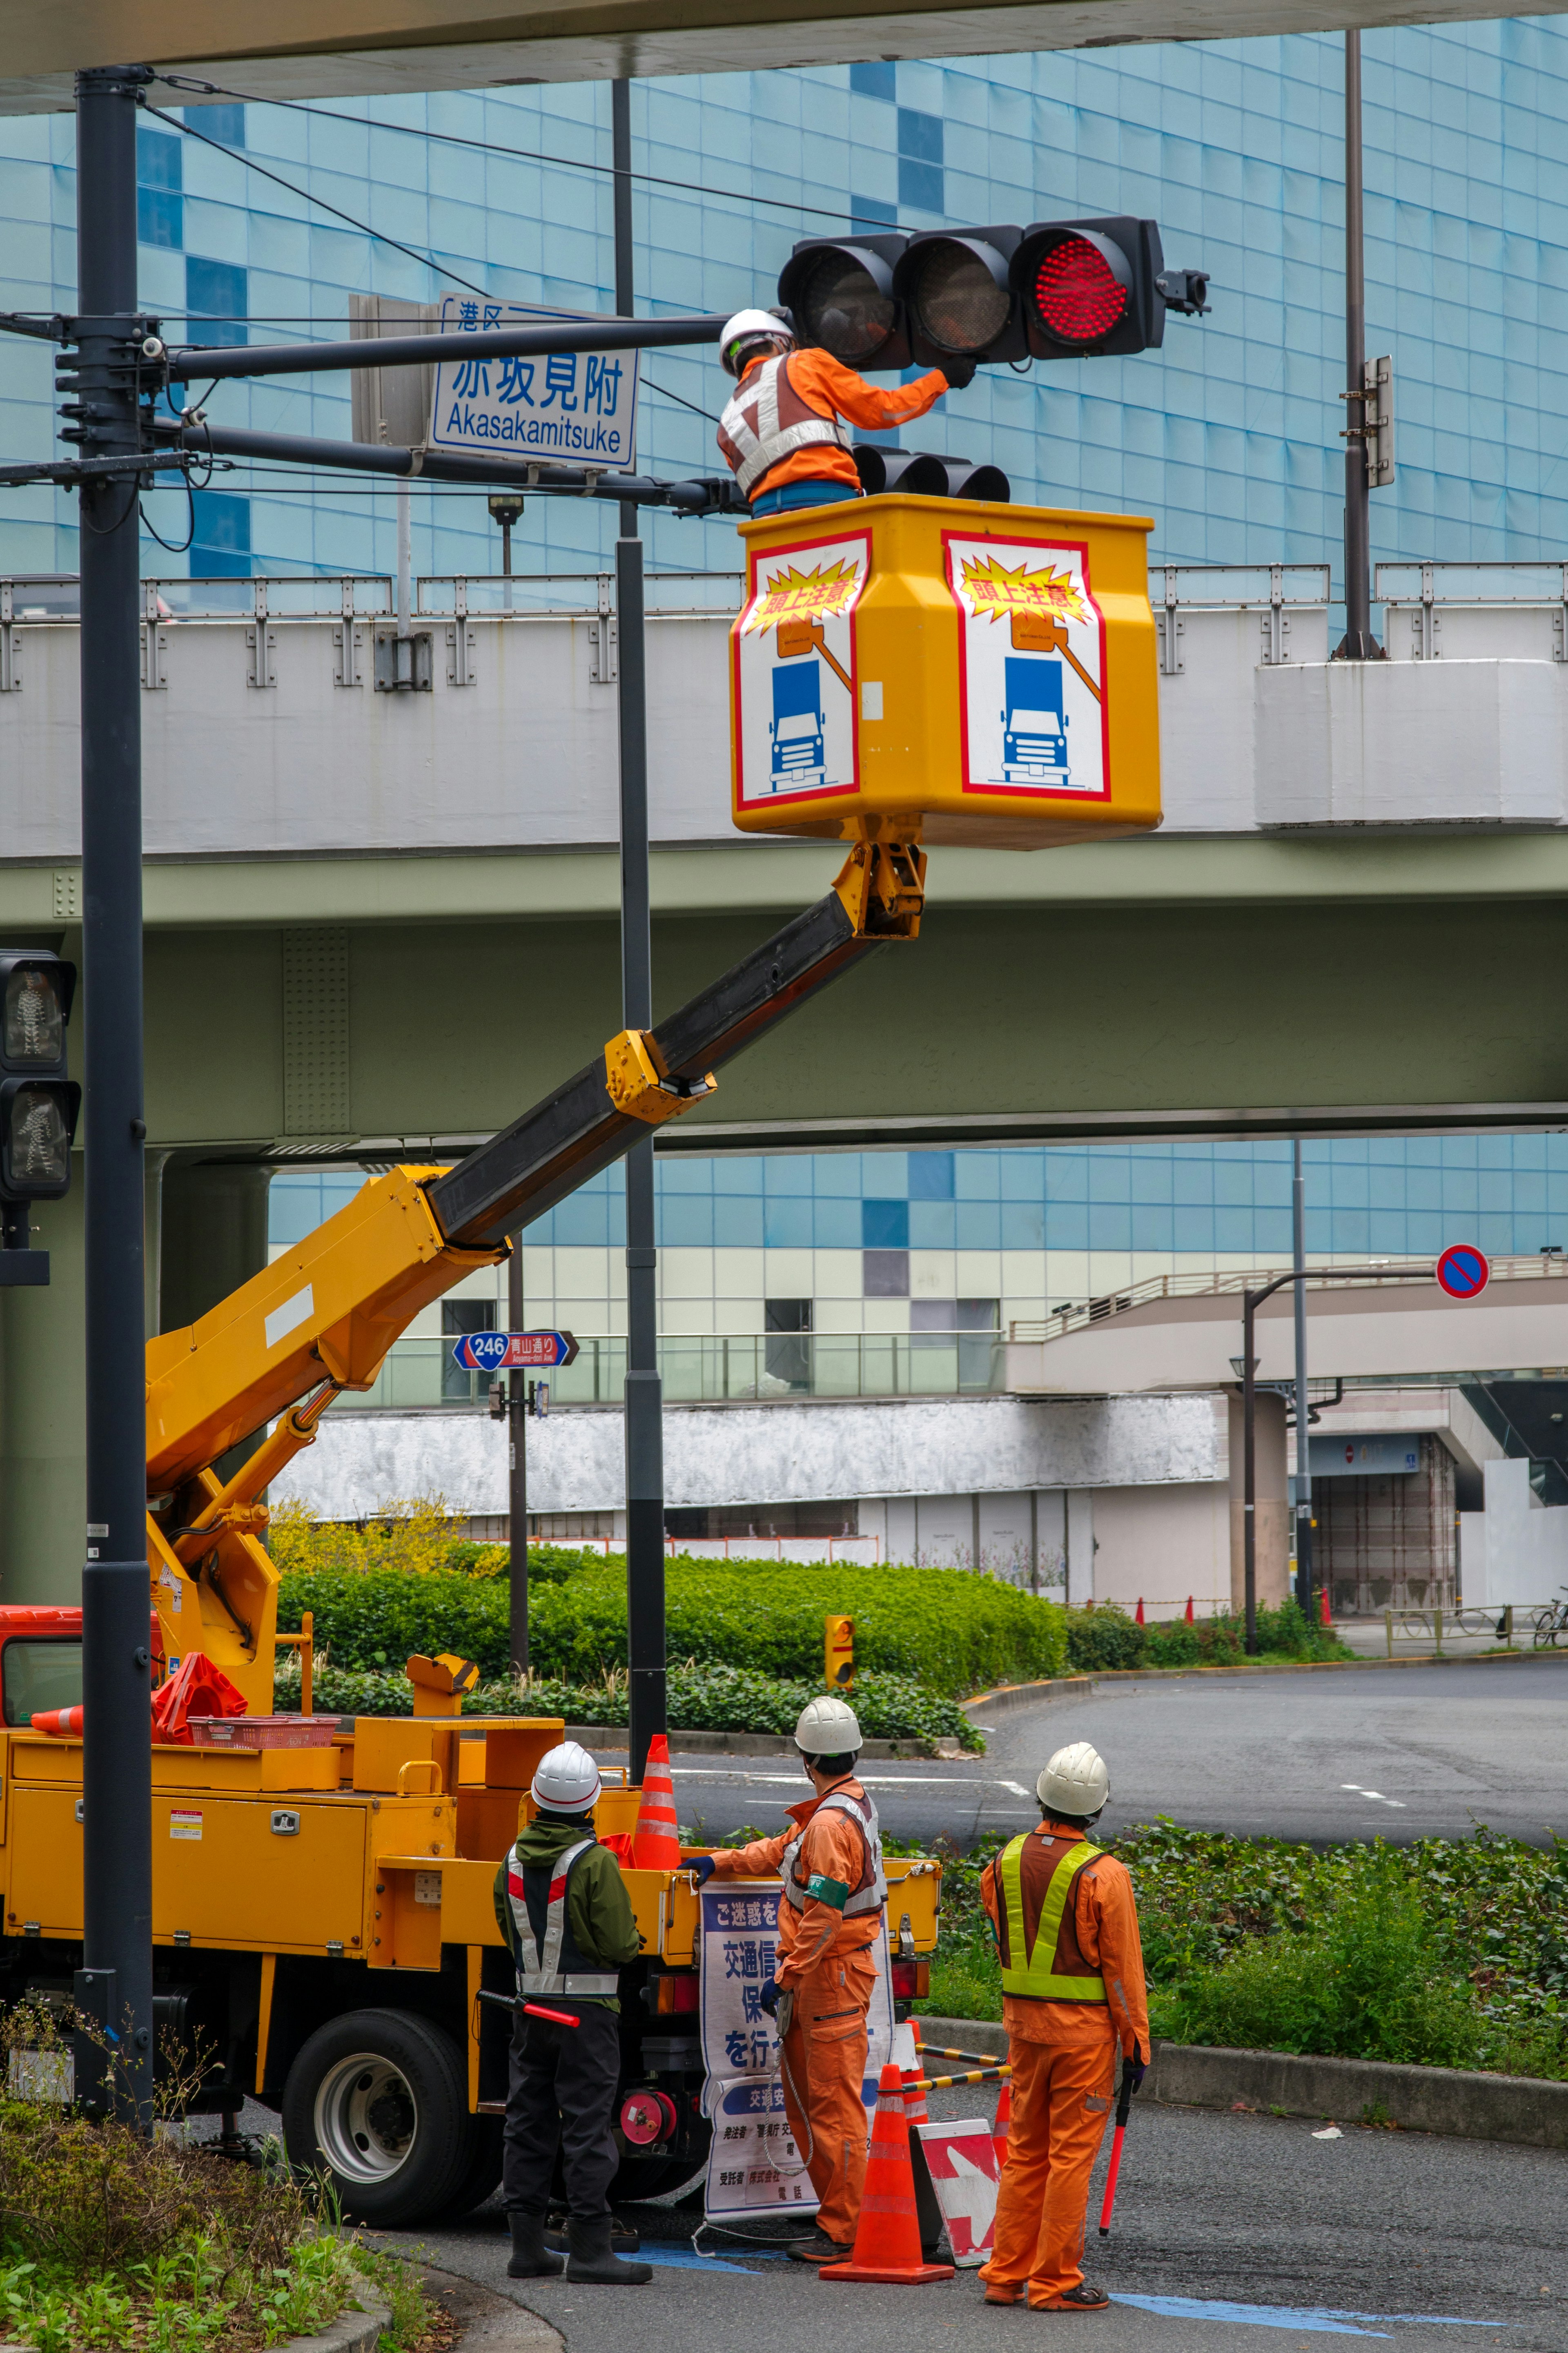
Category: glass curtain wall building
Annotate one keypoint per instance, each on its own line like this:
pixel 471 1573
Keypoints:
pixel 1229 438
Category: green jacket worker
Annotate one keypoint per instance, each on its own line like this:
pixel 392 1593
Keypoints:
pixel 567 1919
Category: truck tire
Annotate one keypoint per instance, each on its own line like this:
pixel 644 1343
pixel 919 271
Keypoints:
pixel 482 2171
pixel 378 2101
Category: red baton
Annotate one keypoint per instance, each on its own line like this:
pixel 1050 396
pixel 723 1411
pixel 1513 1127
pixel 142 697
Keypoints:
pixel 556 2017
pixel 1123 2108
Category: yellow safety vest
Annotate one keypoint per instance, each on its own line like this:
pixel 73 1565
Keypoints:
pixel 1035 1976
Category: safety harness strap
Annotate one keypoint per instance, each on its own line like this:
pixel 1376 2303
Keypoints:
pixel 540 1971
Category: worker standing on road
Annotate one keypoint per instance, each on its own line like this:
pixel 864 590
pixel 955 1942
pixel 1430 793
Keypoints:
pixel 783 432
pixel 565 1912
pixel 1072 1989
pixel 830 1918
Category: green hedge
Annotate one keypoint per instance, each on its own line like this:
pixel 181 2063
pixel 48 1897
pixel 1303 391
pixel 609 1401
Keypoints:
pixel 702 1699
pixel 951 1631
pixel 1106 1637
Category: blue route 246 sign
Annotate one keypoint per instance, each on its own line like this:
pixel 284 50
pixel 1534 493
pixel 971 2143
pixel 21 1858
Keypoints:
pixel 498 1352
pixel 576 406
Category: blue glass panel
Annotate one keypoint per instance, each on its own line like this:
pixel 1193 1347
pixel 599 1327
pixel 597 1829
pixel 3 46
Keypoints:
pixel 293 1209
pixel 836 1225
pixel 868 212
pixel 1110 1226
pixel 1067 1225
pixel 885 1225
pixel 1193 1229
pixel 836 1176
pixel 920 187
pixel 217 298
pixel 1152 1225
pixel 978 1224
pixel 686 1222
pixel 738 1221
pixel 1023 1225
pixel 160 218
pixel 787 1221
pixel 788 1171
pixel 740 1175
pixel 931 1225
pixel 1022 1176
pixel 223 123
pixel 1110 1177
pixel 583 1220
pixel 220 548
pixel 976 1175
pixel 875 79
pixel 919 136
pixel 160 159
pixel 683 1173
pixel 930 1176
pixel 1233 1231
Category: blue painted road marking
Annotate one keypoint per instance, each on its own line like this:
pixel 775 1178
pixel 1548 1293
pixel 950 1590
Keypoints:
pixel 1318 2318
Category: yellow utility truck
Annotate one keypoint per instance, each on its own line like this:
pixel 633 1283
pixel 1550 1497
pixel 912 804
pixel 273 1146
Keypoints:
pixel 322 1913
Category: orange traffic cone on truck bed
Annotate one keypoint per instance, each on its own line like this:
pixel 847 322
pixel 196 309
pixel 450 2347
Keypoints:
pixel 887 2241
pixel 60 1722
pixel 657 1845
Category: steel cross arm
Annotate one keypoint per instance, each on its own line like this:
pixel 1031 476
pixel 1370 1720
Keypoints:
pixel 440 465
pixel 581 1128
pixel 206 364
pixel 53 329
pixel 70 470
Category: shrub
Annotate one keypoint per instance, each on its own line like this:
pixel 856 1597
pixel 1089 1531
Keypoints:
pixel 1105 1637
pixel 1102 1638
pixel 949 1630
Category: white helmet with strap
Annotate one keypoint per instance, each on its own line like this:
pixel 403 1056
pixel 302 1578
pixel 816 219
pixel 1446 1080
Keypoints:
pixel 746 331
pixel 1075 1782
pixel 828 1727
pixel 567 1780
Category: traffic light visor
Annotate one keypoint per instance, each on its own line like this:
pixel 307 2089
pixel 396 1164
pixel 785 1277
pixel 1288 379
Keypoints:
pixel 844 303
pixel 33 1026
pixel 1080 286
pixel 957 289
pixel 38 1120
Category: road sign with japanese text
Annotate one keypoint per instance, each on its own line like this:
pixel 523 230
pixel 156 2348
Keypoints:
pixel 498 1352
pixel 575 407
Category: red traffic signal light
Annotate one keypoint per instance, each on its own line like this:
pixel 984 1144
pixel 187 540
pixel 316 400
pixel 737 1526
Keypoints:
pixel 1058 290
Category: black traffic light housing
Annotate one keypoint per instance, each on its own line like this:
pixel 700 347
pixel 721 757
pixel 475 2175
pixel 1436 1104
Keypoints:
pixel 920 474
pixel 39 1104
pixel 839 293
pixel 1058 290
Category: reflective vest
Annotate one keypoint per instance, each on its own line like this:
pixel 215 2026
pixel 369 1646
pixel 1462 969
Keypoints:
pixel 1033 1972
pixel 869 1892
pixel 767 420
pixel 539 1967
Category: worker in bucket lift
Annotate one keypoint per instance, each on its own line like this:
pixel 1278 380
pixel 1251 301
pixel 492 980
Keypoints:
pixel 783 430
pixel 1066 1921
pixel 562 1908
pixel 830 1920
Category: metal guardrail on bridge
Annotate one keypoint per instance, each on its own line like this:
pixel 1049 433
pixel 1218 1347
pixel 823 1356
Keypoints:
pixel 743 1368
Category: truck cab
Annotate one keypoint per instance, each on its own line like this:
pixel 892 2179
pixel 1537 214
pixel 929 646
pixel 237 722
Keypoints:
pixel 40 1661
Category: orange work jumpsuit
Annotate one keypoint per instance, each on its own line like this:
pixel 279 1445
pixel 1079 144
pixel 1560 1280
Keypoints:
pixel 815 384
pixel 1063 2056
pixel 826 1962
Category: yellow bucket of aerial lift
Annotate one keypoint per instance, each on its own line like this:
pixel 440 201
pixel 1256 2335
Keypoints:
pixel 945 670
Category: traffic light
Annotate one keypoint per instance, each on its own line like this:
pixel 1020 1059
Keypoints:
pixel 919 474
pixel 1058 290
pixel 39 1104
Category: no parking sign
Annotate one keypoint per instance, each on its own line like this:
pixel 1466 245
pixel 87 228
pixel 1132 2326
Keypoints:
pixel 1463 1272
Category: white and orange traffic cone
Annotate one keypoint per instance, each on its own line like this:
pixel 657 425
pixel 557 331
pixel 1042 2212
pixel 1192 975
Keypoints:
pixel 60 1722
pixel 656 1845
pixel 888 2240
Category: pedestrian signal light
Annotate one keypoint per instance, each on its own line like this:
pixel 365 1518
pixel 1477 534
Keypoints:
pixel 39 1104
pixel 838 1652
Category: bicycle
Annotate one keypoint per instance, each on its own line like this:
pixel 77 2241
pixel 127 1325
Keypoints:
pixel 1552 1626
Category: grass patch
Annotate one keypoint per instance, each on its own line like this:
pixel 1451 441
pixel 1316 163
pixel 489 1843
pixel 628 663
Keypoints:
pixel 1447 1953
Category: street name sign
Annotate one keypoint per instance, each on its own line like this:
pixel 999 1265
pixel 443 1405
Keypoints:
pixel 580 406
pixel 498 1352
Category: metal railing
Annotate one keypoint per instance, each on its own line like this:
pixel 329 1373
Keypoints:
pixel 1268 589
pixel 1062 1320
pixel 1515 593
pixel 355 596
pixel 741 1368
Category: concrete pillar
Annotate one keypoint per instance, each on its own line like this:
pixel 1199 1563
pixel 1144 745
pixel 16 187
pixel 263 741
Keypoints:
pixel 43 1410
pixel 213 1235
pixel 1273 1512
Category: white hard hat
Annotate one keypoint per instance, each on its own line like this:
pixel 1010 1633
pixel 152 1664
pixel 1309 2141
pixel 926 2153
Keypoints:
pixel 750 327
pixel 827 1727
pixel 567 1780
pixel 1075 1782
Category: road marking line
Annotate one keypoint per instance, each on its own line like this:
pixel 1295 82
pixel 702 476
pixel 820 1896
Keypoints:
pixel 1321 2319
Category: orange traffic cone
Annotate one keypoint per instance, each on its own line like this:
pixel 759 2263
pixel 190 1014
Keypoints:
pixel 656 1845
pixel 62 1723
pixel 1324 1614
pixel 887 2241
pixel 915 2109
pixel 1189 1609
pixel 1138 1613
pixel 1001 2131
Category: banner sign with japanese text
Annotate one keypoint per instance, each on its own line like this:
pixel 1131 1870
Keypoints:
pixel 753 2162
pixel 578 407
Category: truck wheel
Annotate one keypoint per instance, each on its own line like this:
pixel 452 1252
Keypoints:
pixel 378 2101
pixel 481 2173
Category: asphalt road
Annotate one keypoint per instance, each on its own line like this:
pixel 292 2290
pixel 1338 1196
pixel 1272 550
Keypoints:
pixel 1224 2225
pixel 1395 1753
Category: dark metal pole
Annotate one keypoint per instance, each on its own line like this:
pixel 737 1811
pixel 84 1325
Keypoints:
pixel 1359 644
pixel 1303 1419
pixel 1249 1468
pixel 517 1469
pixel 626 274
pixel 643 1395
pixel 117 1856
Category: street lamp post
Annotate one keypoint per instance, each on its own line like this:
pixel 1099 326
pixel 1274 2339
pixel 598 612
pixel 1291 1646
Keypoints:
pixel 1251 1301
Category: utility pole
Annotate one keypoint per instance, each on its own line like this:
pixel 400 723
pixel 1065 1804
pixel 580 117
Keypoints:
pixel 644 1390
pixel 517 1471
pixel 1303 1437
pixel 115 1984
pixel 1358 643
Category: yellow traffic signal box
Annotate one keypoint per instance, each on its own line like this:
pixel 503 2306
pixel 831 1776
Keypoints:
pixel 838 1652
pixel 946 671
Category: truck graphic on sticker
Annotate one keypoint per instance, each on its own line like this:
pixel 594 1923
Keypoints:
pixel 1031 667
pixel 1034 724
pixel 796 723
